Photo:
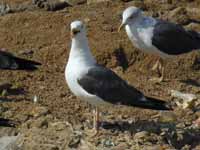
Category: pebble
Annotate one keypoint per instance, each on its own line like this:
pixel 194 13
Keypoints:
pixel 39 111
pixel 108 143
pixel 140 137
pixel 4 9
pixel 167 117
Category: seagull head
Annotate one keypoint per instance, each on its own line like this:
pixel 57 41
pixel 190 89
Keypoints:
pixel 77 29
pixel 129 16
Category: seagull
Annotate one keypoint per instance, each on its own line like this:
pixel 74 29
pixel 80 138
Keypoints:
pixel 158 37
pixel 10 62
pixel 97 84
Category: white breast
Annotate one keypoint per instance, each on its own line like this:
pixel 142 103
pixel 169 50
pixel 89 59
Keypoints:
pixel 74 71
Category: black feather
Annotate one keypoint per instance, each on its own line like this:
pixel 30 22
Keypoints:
pixel 107 85
pixel 173 39
pixel 11 62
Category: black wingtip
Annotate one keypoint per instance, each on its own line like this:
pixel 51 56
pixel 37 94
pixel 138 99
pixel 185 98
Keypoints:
pixel 157 104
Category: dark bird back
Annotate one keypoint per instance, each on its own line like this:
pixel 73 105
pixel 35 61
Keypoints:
pixel 173 39
pixel 107 85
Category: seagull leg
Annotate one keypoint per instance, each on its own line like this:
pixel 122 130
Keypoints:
pixel 160 66
pixel 94 132
pixel 97 121
pixel 155 67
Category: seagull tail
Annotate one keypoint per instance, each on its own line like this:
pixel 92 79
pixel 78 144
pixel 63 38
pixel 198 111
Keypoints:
pixel 156 104
pixel 23 64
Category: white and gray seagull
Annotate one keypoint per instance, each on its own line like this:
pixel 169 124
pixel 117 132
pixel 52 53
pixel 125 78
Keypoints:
pixel 158 37
pixel 99 85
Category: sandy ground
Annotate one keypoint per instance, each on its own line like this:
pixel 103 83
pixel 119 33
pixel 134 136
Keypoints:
pixel 61 121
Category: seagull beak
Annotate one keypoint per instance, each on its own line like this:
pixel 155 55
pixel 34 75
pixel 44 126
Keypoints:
pixel 120 27
pixel 74 32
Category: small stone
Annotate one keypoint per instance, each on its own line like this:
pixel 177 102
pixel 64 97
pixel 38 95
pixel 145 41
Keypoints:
pixel 4 9
pixel 178 15
pixel 59 126
pixel 167 117
pixel 121 146
pixel 40 123
pixel 96 1
pixel 8 142
pixel 141 136
pixel 76 2
pixel 39 111
pixel 108 143
pixel 75 141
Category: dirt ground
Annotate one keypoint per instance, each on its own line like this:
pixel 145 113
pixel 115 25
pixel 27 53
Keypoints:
pixel 61 121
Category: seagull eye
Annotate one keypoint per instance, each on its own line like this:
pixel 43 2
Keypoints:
pixel 131 17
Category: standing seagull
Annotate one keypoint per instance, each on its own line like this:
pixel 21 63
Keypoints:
pixel 158 37
pixel 11 62
pixel 99 85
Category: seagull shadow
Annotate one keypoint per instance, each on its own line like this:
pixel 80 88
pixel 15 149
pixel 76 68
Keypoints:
pixel 7 123
pixel 121 57
pixel 170 133
pixel 4 99
pixel 16 91
pixel 10 90
pixel 191 82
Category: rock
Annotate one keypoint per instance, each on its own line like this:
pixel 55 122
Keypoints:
pixel 138 3
pixel 40 123
pixel 39 111
pixel 75 141
pixel 167 117
pixel 194 13
pixel 59 126
pixel 193 26
pixel 178 15
pixel 140 137
pixel 197 123
pixel 121 146
pixel 4 9
pixel 8 142
pixel 26 52
pixel 76 2
pixel 96 1
pixel 185 100
pixel 107 143
pixel 52 137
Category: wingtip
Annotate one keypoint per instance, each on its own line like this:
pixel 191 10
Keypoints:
pixel 159 104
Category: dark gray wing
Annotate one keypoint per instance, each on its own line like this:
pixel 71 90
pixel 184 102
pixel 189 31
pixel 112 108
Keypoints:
pixel 107 85
pixel 173 39
pixel 8 61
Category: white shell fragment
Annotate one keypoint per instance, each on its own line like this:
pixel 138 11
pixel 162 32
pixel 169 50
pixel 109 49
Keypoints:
pixel 185 100
pixel 35 99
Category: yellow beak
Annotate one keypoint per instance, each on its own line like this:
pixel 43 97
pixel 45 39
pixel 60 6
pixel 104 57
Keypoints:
pixel 120 27
pixel 74 32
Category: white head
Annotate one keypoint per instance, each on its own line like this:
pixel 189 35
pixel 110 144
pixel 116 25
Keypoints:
pixel 77 29
pixel 80 47
pixel 130 15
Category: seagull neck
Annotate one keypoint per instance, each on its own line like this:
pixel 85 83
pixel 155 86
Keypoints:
pixel 80 50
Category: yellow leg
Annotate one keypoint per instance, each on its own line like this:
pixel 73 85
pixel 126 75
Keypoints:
pixel 160 66
pixel 155 67
pixel 95 131
pixel 97 120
